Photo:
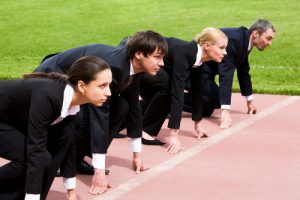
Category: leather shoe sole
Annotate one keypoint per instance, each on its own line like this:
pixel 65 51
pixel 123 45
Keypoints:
pixel 119 135
pixel 152 142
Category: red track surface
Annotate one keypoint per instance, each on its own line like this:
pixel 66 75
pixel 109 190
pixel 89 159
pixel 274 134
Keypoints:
pixel 258 158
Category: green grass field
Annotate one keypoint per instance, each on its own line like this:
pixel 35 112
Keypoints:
pixel 31 29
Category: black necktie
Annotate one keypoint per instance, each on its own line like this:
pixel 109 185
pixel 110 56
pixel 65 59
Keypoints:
pixel 127 82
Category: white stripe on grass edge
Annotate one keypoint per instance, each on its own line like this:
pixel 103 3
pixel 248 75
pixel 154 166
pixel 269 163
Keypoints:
pixel 179 158
pixel 275 67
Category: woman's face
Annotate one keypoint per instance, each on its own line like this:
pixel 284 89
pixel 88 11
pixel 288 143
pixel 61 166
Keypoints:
pixel 97 91
pixel 217 51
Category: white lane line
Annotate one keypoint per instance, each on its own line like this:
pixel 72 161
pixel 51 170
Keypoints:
pixel 177 159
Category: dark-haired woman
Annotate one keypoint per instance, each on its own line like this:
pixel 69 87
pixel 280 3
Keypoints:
pixel 37 123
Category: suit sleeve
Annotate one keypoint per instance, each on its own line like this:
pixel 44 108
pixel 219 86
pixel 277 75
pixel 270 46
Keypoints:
pixel 68 164
pixel 197 92
pixel 61 62
pixel 134 116
pixel 99 123
pixel 244 78
pixel 178 78
pixel 226 73
pixel 99 127
pixel 41 110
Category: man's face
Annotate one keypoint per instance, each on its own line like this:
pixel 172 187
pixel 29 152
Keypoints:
pixel 262 41
pixel 151 63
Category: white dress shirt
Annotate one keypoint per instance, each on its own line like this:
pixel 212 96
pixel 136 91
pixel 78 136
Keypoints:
pixel 198 57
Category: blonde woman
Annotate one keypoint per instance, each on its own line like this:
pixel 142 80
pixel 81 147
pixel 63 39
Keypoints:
pixel 164 93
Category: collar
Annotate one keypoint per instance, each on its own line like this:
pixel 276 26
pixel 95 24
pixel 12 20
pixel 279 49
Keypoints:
pixel 131 69
pixel 67 109
pixel 249 45
pixel 198 57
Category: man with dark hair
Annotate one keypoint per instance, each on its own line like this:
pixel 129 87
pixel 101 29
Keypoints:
pixel 143 52
pixel 241 41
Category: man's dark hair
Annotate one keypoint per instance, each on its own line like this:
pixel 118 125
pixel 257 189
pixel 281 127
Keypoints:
pixel 146 42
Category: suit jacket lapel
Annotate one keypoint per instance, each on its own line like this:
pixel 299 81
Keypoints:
pixel 246 38
pixel 121 69
pixel 192 54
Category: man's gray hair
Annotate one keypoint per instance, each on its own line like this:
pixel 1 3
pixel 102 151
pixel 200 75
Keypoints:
pixel 261 25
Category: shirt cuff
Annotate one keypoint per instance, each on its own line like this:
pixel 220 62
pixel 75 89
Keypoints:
pixel 249 98
pixel 98 161
pixel 136 144
pixel 69 183
pixel 225 107
pixel 32 196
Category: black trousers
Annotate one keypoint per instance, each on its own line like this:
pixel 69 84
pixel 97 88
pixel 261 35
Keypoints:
pixel 154 91
pixel 210 99
pixel 89 114
pixel 13 148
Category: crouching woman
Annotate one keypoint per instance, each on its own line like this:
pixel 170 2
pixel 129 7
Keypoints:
pixel 37 123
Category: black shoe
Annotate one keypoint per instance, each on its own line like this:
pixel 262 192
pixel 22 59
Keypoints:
pixel 152 142
pixel 187 109
pixel 85 168
pixel 119 135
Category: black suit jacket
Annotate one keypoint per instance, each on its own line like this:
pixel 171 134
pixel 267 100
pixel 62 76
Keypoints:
pixel 30 106
pixel 179 63
pixel 119 61
pixel 236 58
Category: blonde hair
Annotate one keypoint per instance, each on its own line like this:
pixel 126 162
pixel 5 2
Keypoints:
pixel 211 35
